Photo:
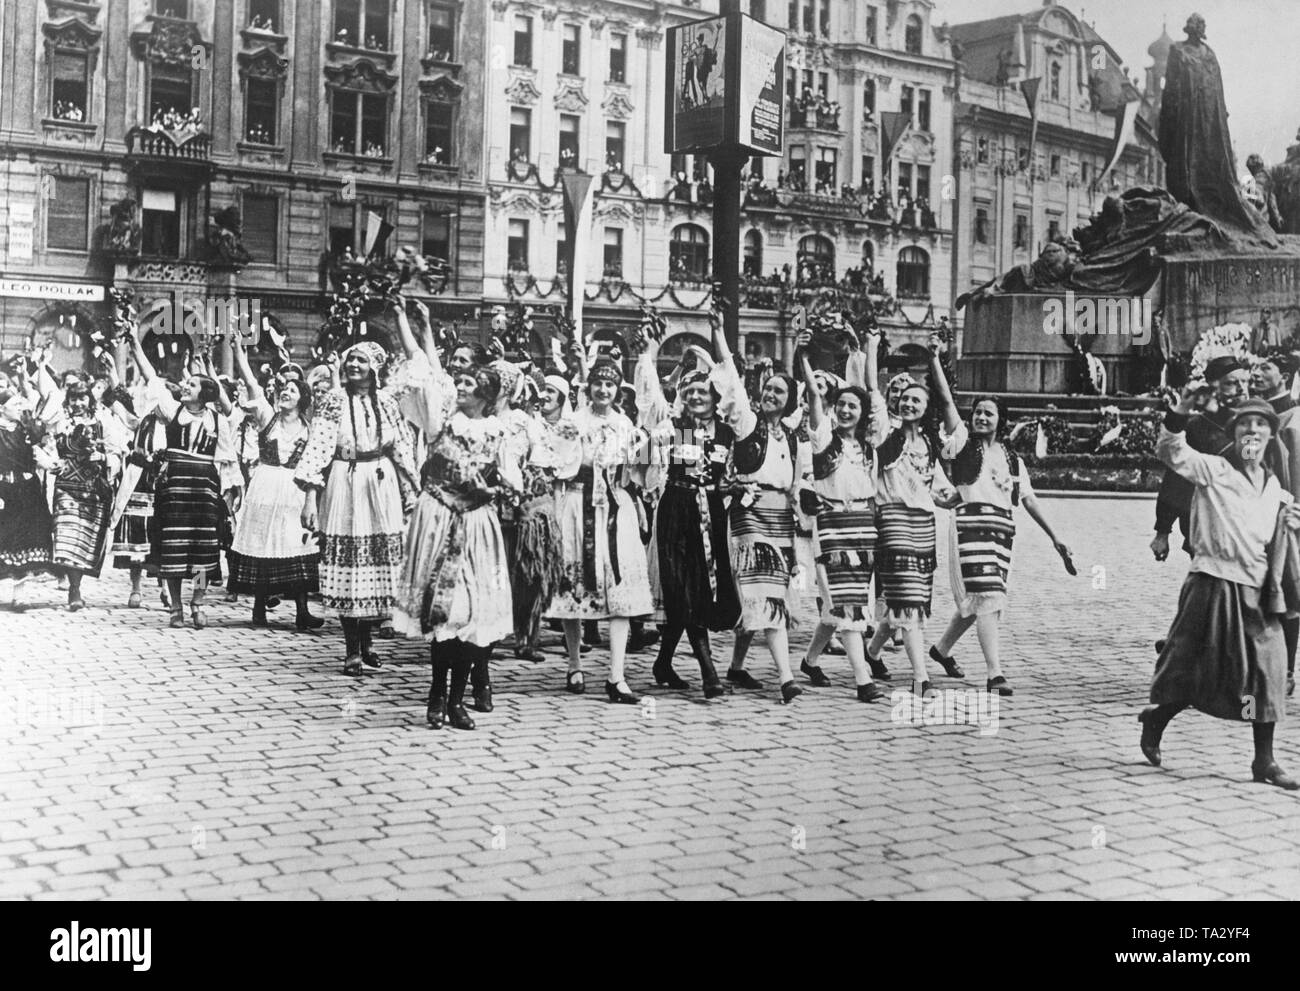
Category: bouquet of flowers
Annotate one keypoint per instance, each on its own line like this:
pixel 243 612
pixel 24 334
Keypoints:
pixel 1226 339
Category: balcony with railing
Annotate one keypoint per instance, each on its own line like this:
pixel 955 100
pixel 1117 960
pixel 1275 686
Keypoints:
pixel 179 153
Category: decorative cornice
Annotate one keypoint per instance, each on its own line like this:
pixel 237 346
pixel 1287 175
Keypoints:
pixel 443 87
pixel 339 51
pixel 256 36
pixel 522 89
pixel 548 16
pixel 616 104
pixel 73 34
pixel 361 75
pixel 169 42
pixel 570 95
pixel 264 63
pixel 89 12
pixel 650 38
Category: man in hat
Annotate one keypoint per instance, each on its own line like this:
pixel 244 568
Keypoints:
pixel 1226 377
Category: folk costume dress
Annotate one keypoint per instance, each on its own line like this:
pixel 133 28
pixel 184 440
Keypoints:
pixel 25 524
pixel 605 572
pixel 1225 653
pixel 983 530
pixel 133 511
pixel 83 490
pixel 198 465
pixel 359 453
pixel 271 553
pixel 908 475
pixel 768 467
pixel 455 583
pixel 844 478
pixel 689 558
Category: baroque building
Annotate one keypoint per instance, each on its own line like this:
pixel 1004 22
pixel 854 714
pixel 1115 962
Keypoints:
pixel 190 150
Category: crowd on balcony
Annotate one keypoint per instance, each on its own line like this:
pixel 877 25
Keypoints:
pixel 815 110
pixel 172 119
pixel 259 134
pixel 260 23
pixel 371 42
pixel 438 156
pixel 68 110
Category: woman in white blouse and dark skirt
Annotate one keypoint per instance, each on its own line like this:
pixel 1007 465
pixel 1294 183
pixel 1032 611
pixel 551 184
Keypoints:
pixel 1225 654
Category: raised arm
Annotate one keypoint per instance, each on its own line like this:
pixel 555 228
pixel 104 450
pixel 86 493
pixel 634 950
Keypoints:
pixel 409 344
pixel 244 370
pixel 142 363
pixel 816 412
pixel 951 420
pixel 1176 454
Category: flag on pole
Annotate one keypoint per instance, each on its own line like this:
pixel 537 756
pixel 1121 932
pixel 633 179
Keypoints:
pixel 893 125
pixel 377 230
pixel 1029 88
pixel 576 187
pixel 1124 124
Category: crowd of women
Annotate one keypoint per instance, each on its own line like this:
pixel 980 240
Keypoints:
pixel 469 501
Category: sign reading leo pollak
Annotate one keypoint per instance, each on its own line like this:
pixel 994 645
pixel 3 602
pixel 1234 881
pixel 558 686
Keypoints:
pixel 205 317
pixel 725 77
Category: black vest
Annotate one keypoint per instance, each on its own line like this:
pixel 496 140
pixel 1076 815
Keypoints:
pixel 723 438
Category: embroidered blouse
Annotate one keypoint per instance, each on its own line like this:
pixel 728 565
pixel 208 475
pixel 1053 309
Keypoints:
pixel 344 426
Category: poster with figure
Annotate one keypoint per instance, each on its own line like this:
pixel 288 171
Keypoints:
pixel 698 85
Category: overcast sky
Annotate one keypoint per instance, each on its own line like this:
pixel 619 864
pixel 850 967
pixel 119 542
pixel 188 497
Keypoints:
pixel 1257 42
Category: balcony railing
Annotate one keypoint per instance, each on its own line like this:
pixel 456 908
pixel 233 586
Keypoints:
pixel 823 119
pixel 147 142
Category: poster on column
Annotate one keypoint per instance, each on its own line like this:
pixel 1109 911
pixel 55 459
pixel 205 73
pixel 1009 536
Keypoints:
pixel 762 69
pixel 697 85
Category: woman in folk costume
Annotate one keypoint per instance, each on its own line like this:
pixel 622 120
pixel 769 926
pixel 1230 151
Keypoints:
pixel 690 565
pixel 26 449
pixel 197 470
pixel 455 585
pixel 90 448
pixel 769 467
pixel 991 481
pixel 604 559
pixel 1226 654
pixel 908 477
pixel 844 439
pixel 132 521
pixel 357 473
pixel 271 554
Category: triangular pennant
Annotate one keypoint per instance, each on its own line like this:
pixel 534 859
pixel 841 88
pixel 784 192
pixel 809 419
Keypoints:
pixel 893 125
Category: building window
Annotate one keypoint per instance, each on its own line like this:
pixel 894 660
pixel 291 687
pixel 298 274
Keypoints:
pixel 67 218
pixel 180 9
pixel 362 23
pixel 923 110
pixel 517 246
pixel 521 134
pixel 571 51
pixel 688 254
pixel 1086 172
pixel 160 223
pixel 816 255
pixel 905 180
pixel 824 17
pixel 827 171
pixel 808 16
pixel 868 255
pixel 359 123
pixel 561 240
pixel 869 98
pixel 868 170
pixel 569 140
pixel 792 16
pixel 614 144
pixel 342 229
pixel 824 84
pixel 871 25
pixel 435 238
pixel 906 99
pixel 923 182
pixel 523 41
pixel 171 91
pixel 261 103
pixel 912 35
pixel 982 151
pixel 1055 165
pixel 756 167
pixel 439 128
pixel 618 58
pixel 913 277
pixel 752 264
pixel 264 15
pixel 613 253
pixel 1022 158
pixel 1055 81
pixel 442 33
pixel 798 167
pixel 69 86
pixel 1054 229
pixel 1021 238
pixel 981 225
pixel 758 9
pixel 261 217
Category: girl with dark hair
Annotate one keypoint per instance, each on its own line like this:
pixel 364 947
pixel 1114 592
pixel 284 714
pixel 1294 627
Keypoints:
pixel 133 511
pixel 26 448
pixel 90 447
pixel 843 446
pixel 356 472
pixel 271 554
pixel 604 560
pixel 1226 654
pixel 693 586
pixel 198 469
pixel 907 479
pixel 454 589
pixel 768 465
pixel 991 481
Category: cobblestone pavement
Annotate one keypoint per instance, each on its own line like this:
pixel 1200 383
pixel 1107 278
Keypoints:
pixel 145 762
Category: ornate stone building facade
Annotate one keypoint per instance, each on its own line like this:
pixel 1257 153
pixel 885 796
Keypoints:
pixel 130 130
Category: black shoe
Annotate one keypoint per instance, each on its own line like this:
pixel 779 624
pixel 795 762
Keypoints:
pixel 834 648
pixel 870 692
pixel 583 648
pixel 715 688
pixel 1150 742
pixel 669 678
pixel 789 692
pixel 530 654
pixel 647 638
pixel 307 622
pixel 1271 774
pixel 458 717
pixel 927 691
pixel 372 660
pixel 352 666
pixel 949 664
pixel 272 602
pixel 815 674
pixel 1000 685
pixel 436 713
pixel 744 679
pixel 878 669
pixel 483 699
pixel 575 687
pixel 623 698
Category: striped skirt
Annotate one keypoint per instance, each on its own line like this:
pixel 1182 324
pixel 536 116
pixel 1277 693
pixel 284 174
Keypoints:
pixel 905 562
pixel 133 537
pixel 187 516
pixel 81 514
pixel 980 557
pixel 762 559
pixel 846 540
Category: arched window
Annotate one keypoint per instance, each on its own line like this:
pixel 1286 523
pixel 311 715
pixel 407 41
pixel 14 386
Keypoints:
pixel 868 256
pixel 912 35
pixel 688 254
pixel 1055 85
pixel 869 98
pixel 913 273
pixel 816 259
pixel 752 264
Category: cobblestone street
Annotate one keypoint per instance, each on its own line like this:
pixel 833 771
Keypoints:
pixel 145 762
